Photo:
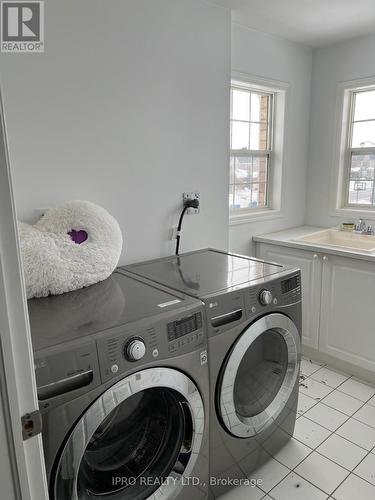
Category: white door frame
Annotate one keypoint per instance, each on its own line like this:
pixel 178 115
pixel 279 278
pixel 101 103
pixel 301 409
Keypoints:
pixel 17 377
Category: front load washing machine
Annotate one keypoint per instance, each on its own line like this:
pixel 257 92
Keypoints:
pixel 122 380
pixel 253 311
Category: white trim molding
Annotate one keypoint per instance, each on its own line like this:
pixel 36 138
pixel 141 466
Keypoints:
pixel 16 360
pixel 276 175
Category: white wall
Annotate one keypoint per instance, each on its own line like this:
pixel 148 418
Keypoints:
pixel 331 65
pixel 128 108
pixel 271 57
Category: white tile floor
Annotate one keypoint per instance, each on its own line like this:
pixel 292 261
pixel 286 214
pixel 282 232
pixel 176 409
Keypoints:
pixel 332 453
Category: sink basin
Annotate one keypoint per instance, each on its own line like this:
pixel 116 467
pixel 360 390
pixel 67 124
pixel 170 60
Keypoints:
pixel 341 239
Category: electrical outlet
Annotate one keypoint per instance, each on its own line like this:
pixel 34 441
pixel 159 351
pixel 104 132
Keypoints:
pixel 194 195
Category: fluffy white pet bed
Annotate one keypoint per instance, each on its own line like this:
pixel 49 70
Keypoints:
pixel 71 246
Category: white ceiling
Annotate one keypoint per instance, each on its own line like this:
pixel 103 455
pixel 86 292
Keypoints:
pixel 312 22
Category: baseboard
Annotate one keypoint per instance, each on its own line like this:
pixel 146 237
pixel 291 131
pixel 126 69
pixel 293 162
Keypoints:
pixel 344 366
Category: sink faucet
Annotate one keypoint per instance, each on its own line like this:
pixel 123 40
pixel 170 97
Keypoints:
pixel 361 227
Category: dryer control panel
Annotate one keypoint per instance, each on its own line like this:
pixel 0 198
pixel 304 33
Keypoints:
pixel 273 294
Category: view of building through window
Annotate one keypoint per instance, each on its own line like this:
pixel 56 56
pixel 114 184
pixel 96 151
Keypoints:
pixel 250 145
pixel 361 189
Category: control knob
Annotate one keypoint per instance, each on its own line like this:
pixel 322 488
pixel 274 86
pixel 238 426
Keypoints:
pixel 265 297
pixel 135 349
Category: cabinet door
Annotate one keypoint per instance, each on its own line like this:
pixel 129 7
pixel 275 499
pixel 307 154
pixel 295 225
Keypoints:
pixel 311 273
pixel 347 329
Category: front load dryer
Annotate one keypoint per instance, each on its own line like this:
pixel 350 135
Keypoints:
pixel 122 378
pixel 253 311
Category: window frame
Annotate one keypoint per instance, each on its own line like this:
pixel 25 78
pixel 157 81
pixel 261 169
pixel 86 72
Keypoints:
pixel 251 153
pixel 340 159
pixel 349 153
pixel 276 180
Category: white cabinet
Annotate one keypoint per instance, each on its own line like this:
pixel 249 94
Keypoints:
pixel 311 274
pixel 347 327
pixel 338 302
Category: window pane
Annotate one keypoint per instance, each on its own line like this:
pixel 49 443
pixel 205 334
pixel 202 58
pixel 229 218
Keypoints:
pixel 231 170
pixel 362 167
pixel 259 195
pixel 259 107
pixel 258 136
pixel 255 201
pixel 231 196
pixel 248 182
pixel 259 170
pixel 242 196
pixel 240 135
pixel 364 105
pixel 361 192
pixel 255 107
pixel 363 135
pixel 242 170
pixel 262 198
pixel 240 105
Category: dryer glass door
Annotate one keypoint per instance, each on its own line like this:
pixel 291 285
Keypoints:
pixel 135 441
pixel 259 375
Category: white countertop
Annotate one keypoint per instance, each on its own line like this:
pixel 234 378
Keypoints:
pixel 287 238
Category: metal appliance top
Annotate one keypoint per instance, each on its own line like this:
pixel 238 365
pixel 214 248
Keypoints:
pixel 205 272
pixel 118 300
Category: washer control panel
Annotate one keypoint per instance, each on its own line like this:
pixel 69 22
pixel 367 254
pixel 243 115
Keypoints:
pixel 184 326
pixel 127 347
pixel 184 331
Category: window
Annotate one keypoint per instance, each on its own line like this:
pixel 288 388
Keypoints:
pixel 360 156
pixel 251 125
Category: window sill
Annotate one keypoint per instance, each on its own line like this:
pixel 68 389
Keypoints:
pixel 248 217
pixel 355 213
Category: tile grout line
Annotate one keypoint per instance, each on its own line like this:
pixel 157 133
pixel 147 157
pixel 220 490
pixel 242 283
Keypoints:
pixel 350 472
pixel 317 402
pixel 329 495
pixel 289 469
pixel 348 418
pixel 334 432
pixel 331 433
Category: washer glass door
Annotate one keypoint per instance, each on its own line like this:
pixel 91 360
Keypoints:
pixel 135 441
pixel 259 375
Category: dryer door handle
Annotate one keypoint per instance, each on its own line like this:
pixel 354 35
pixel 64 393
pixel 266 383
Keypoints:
pixel 65 385
pixel 226 318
